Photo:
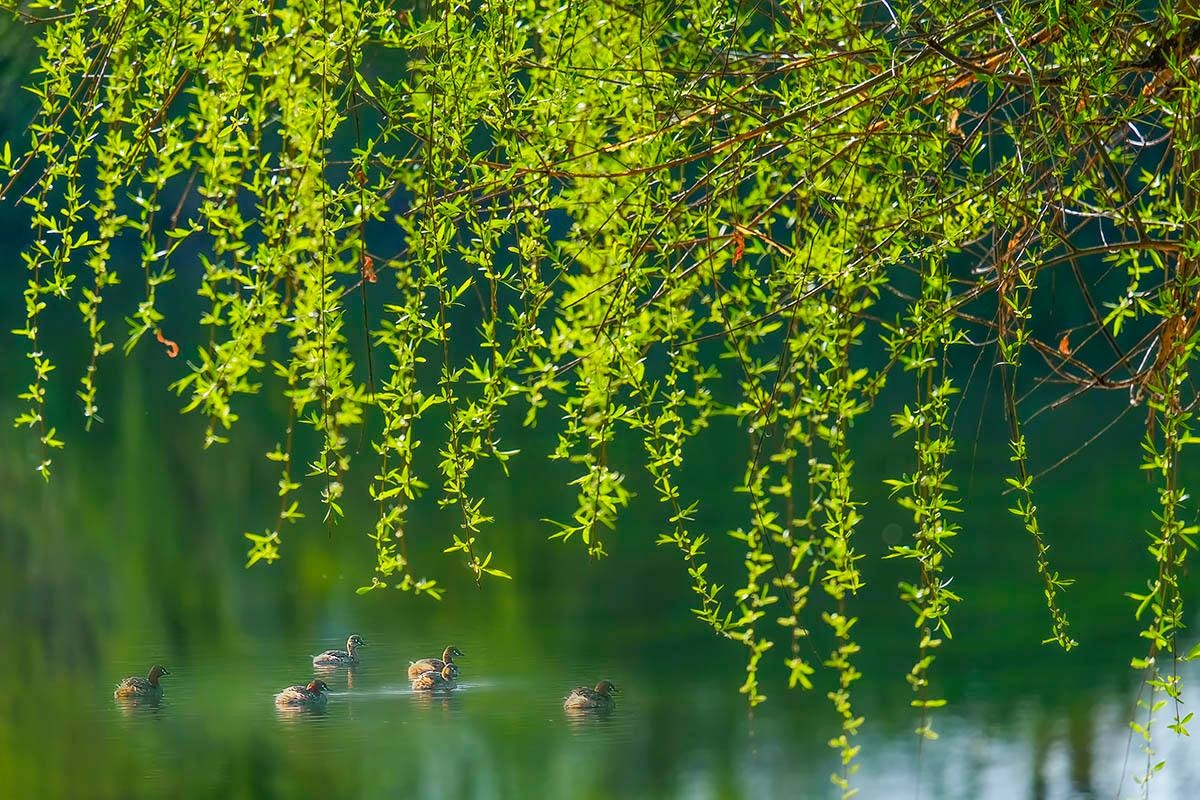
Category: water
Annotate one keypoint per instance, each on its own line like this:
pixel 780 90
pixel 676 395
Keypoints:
pixel 133 555
pixel 503 733
pixel 1024 721
pixel 376 736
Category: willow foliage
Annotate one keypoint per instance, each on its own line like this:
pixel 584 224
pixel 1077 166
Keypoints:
pixel 612 214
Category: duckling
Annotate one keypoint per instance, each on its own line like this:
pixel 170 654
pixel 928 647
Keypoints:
pixel 341 658
pixel 139 688
pixel 314 695
pixel 418 668
pixel 431 681
pixel 599 698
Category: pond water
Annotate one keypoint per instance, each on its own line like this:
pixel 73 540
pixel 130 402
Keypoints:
pixel 679 731
pixel 131 556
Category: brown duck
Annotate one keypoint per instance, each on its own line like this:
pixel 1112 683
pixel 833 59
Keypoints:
pixel 341 658
pixel 431 681
pixel 139 688
pixel 581 697
pixel 418 668
pixel 314 695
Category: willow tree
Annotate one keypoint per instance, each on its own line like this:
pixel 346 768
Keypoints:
pixel 641 205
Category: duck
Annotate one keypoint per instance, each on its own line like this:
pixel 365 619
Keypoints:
pixel 139 688
pixel 314 695
pixel 418 668
pixel 341 658
pixel 432 681
pixel 581 697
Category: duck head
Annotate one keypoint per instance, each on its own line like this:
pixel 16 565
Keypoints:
pixel 156 672
pixel 451 652
pixel 317 687
pixel 607 689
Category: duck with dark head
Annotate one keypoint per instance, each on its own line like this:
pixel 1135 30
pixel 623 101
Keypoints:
pixel 139 688
pixel 341 658
pixel 314 695
pixel 601 698
pixel 418 668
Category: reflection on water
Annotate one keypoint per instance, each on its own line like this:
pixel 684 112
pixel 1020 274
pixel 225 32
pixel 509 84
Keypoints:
pixel 132 705
pixel 107 570
pixel 582 715
pixel 1024 723
pixel 295 713
pixel 508 736
pixel 445 703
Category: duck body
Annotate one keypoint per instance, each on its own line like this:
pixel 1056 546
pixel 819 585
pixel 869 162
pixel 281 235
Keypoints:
pixel 314 695
pixel 418 668
pixel 341 658
pixel 139 688
pixel 583 698
pixel 443 681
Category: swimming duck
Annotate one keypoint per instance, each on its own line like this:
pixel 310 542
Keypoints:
pixel 314 695
pixel 418 668
pixel 137 687
pixel 341 658
pixel 601 697
pixel 431 681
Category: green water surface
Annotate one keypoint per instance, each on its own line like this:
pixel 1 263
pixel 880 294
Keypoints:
pixel 133 555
